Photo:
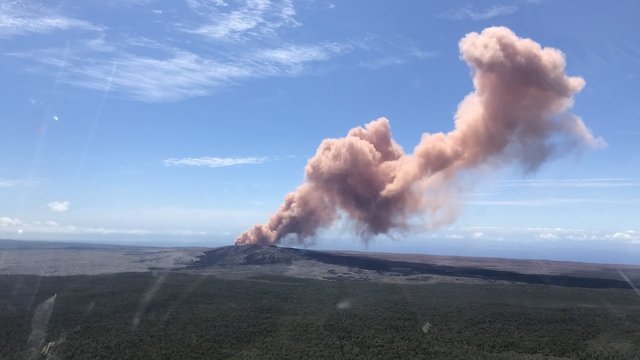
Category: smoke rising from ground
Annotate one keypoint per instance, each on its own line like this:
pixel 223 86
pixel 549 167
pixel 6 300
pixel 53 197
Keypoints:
pixel 518 114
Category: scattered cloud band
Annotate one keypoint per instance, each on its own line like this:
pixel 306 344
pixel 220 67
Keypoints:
pixel 215 162
pixel 16 226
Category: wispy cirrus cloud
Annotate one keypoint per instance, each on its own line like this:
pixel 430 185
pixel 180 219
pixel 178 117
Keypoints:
pixel 9 183
pixel 559 192
pixel 382 62
pixel 573 183
pixel 166 70
pixel 292 56
pixel 173 74
pixel 210 45
pixel 172 77
pixel 382 52
pixel 393 60
pixel 558 201
pixel 469 12
pixel 253 18
pixel 23 17
pixel 215 162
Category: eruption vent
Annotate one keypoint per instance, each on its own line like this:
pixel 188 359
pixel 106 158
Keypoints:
pixel 518 113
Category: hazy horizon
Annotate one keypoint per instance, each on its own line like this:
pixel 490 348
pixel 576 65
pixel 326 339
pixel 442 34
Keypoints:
pixel 600 253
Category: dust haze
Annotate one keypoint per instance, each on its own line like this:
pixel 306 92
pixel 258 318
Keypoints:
pixel 518 114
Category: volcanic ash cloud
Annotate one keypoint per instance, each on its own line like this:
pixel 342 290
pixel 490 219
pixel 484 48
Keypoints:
pixel 518 114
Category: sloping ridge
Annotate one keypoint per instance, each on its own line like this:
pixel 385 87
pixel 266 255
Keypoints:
pixel 265 255
pixel 249 255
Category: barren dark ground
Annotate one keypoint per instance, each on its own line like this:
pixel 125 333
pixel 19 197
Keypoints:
pixel 59 259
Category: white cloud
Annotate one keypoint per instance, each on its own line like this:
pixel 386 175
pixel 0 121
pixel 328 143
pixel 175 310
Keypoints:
pixel 626 235
pixel 468 12
pixel 423 54
pixel 180 75
pixel 157 71
pixel 540 234
pixel 252 18
pixel 294 55
pixel 215 162
pixel 143 222
pixel 7 221
pixel 548 236
pixel 59 206
pixel 23 17
pixel 173 74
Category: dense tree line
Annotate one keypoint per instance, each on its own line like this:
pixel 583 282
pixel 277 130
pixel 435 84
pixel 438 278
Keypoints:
pixel 173 315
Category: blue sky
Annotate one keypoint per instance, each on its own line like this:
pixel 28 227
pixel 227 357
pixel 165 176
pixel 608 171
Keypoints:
pixel 185 122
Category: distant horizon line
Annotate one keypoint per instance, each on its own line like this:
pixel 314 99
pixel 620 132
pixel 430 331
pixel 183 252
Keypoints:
pixel 346 251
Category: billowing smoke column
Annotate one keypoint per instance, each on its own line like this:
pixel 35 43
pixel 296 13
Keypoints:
pixel 518 113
